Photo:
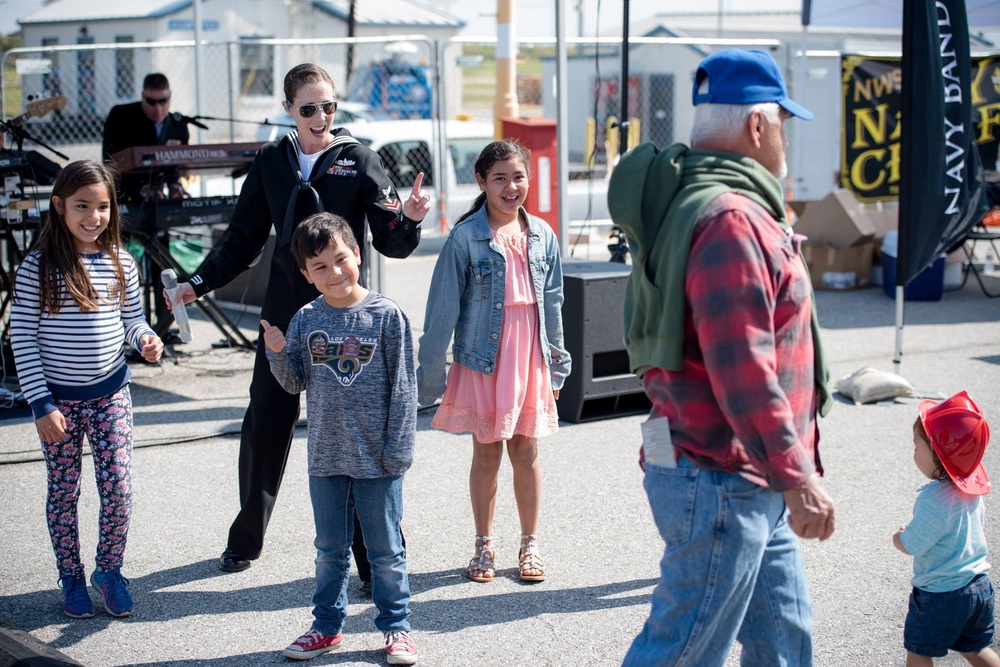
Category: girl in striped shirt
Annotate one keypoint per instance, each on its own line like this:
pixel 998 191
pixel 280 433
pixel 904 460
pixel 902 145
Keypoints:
pixel 76 301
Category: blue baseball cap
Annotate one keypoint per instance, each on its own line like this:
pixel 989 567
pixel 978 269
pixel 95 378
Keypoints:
pixel 736 76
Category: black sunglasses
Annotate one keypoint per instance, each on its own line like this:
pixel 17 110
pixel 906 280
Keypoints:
pixel 308 110
pixel 154 102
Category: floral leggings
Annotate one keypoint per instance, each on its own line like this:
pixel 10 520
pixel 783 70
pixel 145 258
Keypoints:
pixel 107 423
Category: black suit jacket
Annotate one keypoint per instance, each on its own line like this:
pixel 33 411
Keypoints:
pixel 127 126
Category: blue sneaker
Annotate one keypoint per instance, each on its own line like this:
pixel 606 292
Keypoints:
pixel 114 587
pixel 75 599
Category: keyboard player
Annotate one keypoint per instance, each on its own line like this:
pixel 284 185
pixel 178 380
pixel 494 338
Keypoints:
pixel 147 122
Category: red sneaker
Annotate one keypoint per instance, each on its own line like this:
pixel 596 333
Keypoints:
pixel 399 648
pixel 311 644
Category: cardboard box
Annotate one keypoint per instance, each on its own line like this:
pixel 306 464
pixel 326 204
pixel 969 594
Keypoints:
pixel 837 220
pixel 797 206
pixel 884 216
pixel 839 268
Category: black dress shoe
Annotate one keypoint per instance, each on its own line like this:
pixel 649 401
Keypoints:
pixel 232 562
pixel 172 338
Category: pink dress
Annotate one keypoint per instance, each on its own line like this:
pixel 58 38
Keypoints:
pixel 517 399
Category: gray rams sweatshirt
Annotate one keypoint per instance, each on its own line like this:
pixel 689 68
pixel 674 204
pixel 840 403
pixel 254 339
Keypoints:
pixel 356 366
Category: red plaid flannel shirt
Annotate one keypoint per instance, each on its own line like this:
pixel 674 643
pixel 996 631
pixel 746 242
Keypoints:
pixel 744 400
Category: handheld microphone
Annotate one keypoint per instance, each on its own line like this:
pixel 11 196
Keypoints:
pixel 169 279
pixel 190 121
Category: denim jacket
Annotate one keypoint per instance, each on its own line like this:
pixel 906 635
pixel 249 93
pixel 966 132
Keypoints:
pixel 466 299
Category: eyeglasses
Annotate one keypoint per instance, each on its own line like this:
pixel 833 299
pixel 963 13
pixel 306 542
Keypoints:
pixel 308 110
pixel 164 101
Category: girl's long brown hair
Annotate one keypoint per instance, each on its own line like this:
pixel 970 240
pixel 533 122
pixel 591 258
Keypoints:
pixel 60 269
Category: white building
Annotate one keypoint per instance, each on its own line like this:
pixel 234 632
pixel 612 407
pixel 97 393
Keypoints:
pixel 661 77
pixel 248 46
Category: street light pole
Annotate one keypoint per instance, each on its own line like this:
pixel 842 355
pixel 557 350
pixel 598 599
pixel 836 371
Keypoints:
pixel 505 105
pixel 623 89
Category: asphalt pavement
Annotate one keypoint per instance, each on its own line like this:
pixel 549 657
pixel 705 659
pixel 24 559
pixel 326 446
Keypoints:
pixel 600 547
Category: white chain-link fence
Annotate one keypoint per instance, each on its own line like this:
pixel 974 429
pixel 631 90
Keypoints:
pixel 242 83
pixel 399 77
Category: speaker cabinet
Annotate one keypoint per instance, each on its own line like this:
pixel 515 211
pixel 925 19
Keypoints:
pixel 601 384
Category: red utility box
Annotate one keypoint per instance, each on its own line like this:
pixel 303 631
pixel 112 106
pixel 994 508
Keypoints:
pixel 538 135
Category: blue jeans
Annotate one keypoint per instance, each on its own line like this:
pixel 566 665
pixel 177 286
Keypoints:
pixel 731 571
pixel 379 506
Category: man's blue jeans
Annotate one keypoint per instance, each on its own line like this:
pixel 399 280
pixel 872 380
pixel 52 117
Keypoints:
pixel 731 570
pixel 379 504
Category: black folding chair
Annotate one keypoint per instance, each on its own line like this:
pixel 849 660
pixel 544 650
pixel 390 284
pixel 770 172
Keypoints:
pixel 984 234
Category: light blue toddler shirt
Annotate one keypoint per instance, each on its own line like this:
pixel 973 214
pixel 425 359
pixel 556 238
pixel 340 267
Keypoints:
pixel 946 537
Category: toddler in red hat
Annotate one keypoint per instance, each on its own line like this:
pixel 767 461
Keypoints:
pixel 951 606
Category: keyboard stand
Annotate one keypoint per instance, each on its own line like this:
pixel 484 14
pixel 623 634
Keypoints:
pixel 161 256
pixel 15 251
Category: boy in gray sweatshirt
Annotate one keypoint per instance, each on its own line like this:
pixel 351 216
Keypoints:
pixel 351 350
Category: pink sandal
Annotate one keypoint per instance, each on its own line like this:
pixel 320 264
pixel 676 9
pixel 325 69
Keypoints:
pixel 481 566
pixel 530 563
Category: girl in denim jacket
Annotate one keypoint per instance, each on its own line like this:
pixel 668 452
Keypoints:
pixel 497 287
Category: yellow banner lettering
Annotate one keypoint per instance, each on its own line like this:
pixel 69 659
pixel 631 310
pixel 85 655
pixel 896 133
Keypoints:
pixel 989 120
pixel 872 120
pixel 893 164
pixel 858 170
pixel 977 80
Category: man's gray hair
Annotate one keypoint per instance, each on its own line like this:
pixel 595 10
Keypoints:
pixel 722 120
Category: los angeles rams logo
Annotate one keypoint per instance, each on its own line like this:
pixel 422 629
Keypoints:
pixel 346 357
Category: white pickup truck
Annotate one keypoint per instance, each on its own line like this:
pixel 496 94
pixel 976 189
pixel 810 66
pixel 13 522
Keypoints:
pixel 405 147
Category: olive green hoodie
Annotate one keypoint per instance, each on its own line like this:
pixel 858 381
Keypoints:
pixel 656 197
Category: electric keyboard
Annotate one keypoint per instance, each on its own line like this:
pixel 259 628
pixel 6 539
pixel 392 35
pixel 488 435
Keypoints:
pixel 204 156
pixel 12 162
pixel 169 213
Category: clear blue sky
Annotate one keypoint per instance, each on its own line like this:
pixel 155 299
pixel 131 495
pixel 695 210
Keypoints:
pixel 10 10
pixel 535 18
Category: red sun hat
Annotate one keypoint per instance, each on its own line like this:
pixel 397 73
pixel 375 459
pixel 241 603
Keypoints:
pixel 959 433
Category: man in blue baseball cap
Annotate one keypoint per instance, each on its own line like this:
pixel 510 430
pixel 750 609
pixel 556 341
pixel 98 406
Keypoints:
pixel 721 327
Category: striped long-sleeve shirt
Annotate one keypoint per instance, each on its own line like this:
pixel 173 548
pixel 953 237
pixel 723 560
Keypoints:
pixel 74 355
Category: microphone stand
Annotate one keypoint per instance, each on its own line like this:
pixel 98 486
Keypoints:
pixel 245 122
pixel 618 242
pixel 20 135
pixel 248 122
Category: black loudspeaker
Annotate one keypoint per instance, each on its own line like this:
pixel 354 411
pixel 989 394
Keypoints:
pixel 600 384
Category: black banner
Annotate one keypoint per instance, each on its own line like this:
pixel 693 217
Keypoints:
pixel 871 129
pixel 941 193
